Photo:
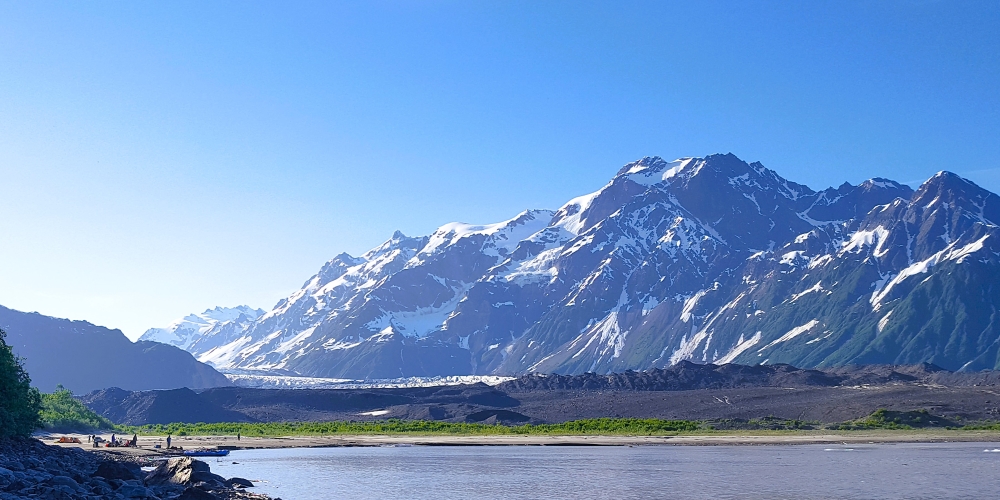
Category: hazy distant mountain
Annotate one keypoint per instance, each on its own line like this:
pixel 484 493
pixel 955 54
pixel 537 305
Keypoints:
pixel 197 333
pixel 702 259
pixel 85 357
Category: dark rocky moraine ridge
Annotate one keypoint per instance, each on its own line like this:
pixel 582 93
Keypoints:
pixel 684 391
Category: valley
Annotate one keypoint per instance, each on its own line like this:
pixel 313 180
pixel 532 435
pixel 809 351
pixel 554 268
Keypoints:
pixel 726 394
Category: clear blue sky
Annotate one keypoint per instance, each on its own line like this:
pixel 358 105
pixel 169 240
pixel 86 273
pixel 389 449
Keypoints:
pixel 160 158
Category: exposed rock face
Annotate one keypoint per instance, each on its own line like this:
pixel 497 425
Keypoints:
pixel 30 469
pixel 709 260
pixel 85 357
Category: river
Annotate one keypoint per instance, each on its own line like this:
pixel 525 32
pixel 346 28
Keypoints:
pixel 910 471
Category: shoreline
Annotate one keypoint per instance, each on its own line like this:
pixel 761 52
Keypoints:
pixel 146 443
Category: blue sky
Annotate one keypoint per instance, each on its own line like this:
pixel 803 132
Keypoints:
pixel 160 158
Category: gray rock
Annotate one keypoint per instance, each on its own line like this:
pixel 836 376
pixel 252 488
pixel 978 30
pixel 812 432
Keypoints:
pixel 37 476
pixel 99 487
pixel 196 494
pixel 239 482
pixel 7 476
pixel 60 491
pixel 184 471
pixel 64 481
pixel 115 470
pixel 134 491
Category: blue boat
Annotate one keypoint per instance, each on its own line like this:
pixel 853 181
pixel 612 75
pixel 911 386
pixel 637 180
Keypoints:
pixel 205 453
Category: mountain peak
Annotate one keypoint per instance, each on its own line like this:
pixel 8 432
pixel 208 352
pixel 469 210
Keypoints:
pixel 879 182
pixel 951 185
pixel 654 170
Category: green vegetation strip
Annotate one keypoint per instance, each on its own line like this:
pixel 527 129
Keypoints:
pixel 61 412
pixel 600 426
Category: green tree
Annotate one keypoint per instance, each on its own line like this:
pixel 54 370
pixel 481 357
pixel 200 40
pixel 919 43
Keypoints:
pixel 61 412
pixel 19 402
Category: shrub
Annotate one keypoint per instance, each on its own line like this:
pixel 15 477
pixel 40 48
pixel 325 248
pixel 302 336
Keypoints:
pixel 61 412
pixel 19 402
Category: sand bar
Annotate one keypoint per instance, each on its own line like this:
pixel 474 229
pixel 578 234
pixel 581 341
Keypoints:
pixel 147 443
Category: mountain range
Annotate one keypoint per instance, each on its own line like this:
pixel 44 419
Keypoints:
pixel 84 357
pixel 709 260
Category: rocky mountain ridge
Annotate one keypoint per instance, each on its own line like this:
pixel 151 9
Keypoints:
pixel 83 357
pixel 701 259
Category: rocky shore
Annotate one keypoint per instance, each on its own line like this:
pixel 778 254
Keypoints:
pixel 32 469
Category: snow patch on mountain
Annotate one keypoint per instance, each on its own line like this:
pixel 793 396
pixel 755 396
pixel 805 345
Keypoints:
pixel 651 173
pixel 185 331
pixel 794 332
pixel 742 345
pixel 883 288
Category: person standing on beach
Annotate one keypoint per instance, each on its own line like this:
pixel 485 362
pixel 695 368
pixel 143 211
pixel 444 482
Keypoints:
pixel 237 435
pixel 135 440
pixel 168 441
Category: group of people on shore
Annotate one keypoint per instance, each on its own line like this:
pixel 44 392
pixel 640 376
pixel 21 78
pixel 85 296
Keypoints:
pixel 114 442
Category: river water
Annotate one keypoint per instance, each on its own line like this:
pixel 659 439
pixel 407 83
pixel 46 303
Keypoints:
pixel 910 471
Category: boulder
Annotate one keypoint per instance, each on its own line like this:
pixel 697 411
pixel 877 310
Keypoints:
pixel 7 476
pixel 183 471
pixel 196 494
pixel 13 465
pixel 115 470
pixel 64 481
pixel 239 482
pixel 134 491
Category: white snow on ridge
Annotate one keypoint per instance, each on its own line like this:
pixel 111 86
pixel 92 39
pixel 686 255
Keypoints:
pixel 421 321
pixel 789 258
pixel 883 288
pixel 690 304
pixel 820 260
pixel 884 321
pixel 794 332
pixel 688 347
pixel 504 235
pixel 225 355
pixel 861 239
pixel 540 268
pixel 818 287
pixel 570 215
pixel 740 347
pixel 648 176
pixel 185 331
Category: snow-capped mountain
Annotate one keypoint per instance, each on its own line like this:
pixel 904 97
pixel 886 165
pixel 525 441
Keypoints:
pixel 197 333
pixel 703 259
